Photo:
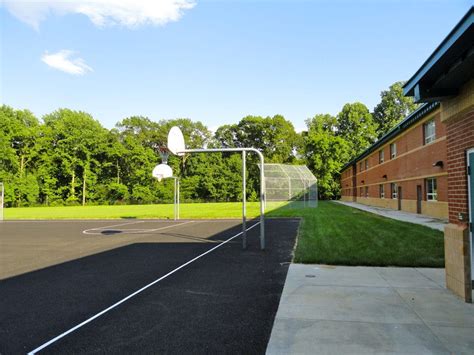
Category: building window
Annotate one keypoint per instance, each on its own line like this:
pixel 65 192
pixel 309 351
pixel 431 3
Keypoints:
pixel 361 192
pixel 381 156
pixel 360 166
pixel 366 164
pixel 382 191
pixel 366 191
pixel 429 130
pixel 431 190
pixel 394 190
pixel 393 150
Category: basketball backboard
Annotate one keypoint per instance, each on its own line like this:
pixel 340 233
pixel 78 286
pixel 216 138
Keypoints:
pixel 162 171
pixel 176 141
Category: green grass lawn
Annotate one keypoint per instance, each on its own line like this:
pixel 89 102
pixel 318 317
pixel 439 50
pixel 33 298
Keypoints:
pixel 187 210
pixel 340 235
pixel 330 234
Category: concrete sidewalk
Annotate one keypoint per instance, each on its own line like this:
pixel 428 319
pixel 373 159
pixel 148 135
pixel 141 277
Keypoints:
pixel 370 310
pixel 427 221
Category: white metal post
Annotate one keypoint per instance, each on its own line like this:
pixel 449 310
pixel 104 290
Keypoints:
pixel 177 198
pixel 263 201
pixel 262 180
pixel 304 192
pixel 174 199
pixel 244 200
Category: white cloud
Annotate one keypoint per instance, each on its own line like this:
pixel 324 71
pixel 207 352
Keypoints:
pixel 64 60
pixel 128 13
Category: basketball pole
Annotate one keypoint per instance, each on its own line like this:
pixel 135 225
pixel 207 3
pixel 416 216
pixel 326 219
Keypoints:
pixel 244 201
pixel 262 179
pixel 174 202
pixel 177 197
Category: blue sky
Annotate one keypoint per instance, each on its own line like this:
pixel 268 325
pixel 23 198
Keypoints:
pixel 214 61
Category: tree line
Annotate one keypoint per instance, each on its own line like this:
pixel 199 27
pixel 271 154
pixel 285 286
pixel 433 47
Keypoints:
pixel 68 158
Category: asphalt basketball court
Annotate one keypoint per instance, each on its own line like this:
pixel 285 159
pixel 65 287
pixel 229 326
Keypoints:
pixel 153 286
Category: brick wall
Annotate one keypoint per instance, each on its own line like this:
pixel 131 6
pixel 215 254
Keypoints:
pixel 413 164
pixel 460 137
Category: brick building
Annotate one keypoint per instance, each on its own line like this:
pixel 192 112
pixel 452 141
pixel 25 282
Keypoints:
pixel 443 167
pixel 447 76
pixel 405 169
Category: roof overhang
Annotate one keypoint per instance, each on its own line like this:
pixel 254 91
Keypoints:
pixel 449 67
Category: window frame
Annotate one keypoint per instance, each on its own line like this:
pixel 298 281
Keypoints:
pixel 381 156
pixel 431 137
pixel 393 150
pixel 381 191
pixel 366 191
pixel 433 184
pixel 367 164
pixel 394 190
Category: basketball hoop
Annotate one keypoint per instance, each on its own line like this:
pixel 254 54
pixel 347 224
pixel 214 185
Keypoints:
pixel 164 154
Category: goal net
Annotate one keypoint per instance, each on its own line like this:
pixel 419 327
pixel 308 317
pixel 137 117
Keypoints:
pixel 294 183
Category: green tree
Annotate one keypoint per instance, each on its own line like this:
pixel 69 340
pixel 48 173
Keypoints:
pixel 393 107
pixel 274 136
pixel 147 132
pixel 356 125
pixel 117 193
pixel 19 131
pixel 196 134
pixel 226 137
pixel 76 142
pixel 216 177
pixel 325 153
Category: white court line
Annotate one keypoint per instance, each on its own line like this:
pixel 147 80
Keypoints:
pixel 82 221
pixel 41 347
pixel 114 225
pixel 99 230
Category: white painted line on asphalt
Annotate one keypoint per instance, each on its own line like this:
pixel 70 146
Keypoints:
pixel 100 230
pixel 114 225
pixel 60 336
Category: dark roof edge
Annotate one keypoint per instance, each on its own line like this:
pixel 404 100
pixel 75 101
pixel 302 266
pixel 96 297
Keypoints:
pixel 407 122
pixel 414 79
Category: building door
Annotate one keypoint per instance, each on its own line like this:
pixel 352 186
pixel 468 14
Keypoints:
pixel 399 198
pixel 419 197
pixel 470 186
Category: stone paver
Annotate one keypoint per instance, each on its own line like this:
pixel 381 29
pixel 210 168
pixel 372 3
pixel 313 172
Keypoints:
pixel 427 221
pixel 370 310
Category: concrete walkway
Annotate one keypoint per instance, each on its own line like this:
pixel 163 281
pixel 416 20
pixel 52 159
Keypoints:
pixel 370 310
pixel 427 221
